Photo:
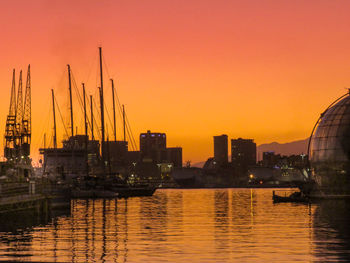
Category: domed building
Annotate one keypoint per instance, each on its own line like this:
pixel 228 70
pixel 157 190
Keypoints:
pixel 329 149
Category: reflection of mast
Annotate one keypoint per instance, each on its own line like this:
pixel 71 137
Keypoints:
pixel 116 226
pixel 104 238
pixel 54 121
pixel 70 100
pixel 114 122
pixel 73 223
pixel 55 238
pixel 126 230
pixel 93 232
pixel 86 213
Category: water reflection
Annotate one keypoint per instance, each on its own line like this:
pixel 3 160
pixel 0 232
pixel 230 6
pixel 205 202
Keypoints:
pixel 153 217
pixel 99 230
pixel 332 231
pixel 204 225
pixel 17 234
pixel 221 208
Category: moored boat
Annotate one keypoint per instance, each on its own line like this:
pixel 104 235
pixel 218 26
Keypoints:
pixel 93 193
pixel 125 192
pixel 296 197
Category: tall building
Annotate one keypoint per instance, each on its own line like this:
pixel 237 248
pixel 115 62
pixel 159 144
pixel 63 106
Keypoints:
pixel 270 159
pixel 116 152
pixel 71 158
pixel 174 155
pixel 220 150
pixel 243 153
pixel 152 145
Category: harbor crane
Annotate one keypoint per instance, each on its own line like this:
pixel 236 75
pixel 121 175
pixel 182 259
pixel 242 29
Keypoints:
pixel 18 123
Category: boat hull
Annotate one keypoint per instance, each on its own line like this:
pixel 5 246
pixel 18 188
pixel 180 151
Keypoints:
pixel 134 192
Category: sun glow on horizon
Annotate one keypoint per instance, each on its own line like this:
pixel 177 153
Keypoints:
pixel 261 70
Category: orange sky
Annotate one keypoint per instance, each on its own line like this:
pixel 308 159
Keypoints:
pixel 192 69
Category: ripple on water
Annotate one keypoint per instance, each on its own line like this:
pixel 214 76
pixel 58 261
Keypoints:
pixel 202 225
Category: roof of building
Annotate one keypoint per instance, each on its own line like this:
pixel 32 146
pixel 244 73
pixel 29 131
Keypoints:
pixel 331 139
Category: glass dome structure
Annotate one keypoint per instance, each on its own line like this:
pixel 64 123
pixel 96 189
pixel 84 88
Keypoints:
pixel 329 148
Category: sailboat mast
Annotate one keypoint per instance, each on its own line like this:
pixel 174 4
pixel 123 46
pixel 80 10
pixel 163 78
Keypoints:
pixel 54 121
pixel 70 100
pixel 102 109
pixel 44 140
pixel 86 132
pixel 84 101
pixel 102 141
pixel 114 122
pixel 124 122
pixel 109 156
pixel 92 119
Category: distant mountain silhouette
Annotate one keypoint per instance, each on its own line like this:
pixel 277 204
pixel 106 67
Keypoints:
pixel 289 148
pixel 295 147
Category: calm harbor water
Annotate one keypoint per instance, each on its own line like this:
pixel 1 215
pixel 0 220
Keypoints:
pixel 202 225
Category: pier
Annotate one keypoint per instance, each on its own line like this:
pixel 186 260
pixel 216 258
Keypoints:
pixel 36 196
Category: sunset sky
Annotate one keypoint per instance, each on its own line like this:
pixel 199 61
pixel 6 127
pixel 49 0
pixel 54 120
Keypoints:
pixel 191 69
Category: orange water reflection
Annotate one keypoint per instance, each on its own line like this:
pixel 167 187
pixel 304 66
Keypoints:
pixel 204 225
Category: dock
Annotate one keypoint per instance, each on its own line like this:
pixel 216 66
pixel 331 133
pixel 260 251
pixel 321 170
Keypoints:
pixel 21 196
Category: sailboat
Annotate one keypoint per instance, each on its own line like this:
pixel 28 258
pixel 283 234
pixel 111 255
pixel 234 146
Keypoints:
pixel 123 187
pixel 80 164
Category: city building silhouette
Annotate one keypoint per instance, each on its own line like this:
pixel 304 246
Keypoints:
pixel 243 153
pixel 220 150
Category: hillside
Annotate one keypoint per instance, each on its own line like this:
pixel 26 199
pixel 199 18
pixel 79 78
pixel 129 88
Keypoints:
pixel 295 147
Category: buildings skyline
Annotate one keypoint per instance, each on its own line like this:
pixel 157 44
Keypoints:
pixel 243 152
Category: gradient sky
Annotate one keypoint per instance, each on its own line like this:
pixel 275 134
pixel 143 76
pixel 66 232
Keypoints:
pixel 192 69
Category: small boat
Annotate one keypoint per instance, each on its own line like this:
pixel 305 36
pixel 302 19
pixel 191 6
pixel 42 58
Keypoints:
pixel 296 197
pixel 105 194
pixel 93 193
pixel 125 191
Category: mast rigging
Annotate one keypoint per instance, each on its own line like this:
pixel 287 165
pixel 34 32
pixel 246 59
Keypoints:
pixel 102 110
